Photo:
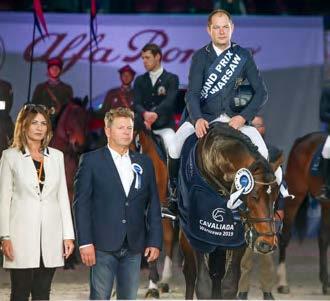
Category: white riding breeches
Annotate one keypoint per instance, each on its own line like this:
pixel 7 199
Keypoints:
pixel 186 129
pixel 326 149
pixel 167 135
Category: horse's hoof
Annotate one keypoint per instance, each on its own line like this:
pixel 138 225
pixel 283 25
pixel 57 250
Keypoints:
pixel 326 289
pixel 164 287
pixel 283 289
pixel 152 293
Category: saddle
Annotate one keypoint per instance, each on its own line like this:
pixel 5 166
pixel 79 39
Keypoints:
pixel 204 216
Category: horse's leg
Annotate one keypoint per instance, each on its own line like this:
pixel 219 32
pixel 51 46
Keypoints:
pixel 290 212
pixel 217 263
pixel 189 266
pixel 229 283
pixel 168 248
pixel 161 179
pixel 153 292
pixel 324 238
pixel 203 282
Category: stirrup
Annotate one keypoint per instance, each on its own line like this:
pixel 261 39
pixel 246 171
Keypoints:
pixel 167 213
pixel 324 195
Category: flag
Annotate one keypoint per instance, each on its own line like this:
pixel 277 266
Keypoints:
pixel 39 19
pixel 93 21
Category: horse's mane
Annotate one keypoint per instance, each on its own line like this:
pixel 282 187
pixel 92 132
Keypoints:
pixel 219 148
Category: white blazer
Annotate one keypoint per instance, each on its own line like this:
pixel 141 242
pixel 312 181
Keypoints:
pixel 35 221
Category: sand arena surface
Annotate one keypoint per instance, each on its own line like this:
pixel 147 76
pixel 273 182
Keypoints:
pixel 302 270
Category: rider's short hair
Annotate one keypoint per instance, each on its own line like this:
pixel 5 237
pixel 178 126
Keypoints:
pixel 118 112
pixel 153 48
pixel 220 12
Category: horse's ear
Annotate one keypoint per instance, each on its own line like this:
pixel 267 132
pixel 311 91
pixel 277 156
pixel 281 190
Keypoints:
pixel 279 161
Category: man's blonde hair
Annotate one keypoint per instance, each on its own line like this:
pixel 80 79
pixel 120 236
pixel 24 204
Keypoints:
pixel 118 112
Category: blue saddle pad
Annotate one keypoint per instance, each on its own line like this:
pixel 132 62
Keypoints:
pixel 204 216
pixel 316 164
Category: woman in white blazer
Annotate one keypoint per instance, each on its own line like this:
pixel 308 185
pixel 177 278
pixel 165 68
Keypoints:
pixel 35 220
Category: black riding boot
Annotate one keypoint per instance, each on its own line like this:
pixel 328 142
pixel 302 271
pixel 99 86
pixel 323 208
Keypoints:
pixel 325 193
pixel 173 170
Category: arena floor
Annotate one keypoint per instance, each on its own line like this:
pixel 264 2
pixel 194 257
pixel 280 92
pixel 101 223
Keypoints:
pixel 302 275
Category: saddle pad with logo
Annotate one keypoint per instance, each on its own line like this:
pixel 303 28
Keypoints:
pixel 204 216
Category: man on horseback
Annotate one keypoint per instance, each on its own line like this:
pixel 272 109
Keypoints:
pixel 54 94
pixel 325 117
pixel 120 96
pixel 155 95
pixel 216 71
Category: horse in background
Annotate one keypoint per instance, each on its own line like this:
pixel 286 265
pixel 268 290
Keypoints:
pixel 301 184
pixel 70 137
pixel 220 156
pixel 144 143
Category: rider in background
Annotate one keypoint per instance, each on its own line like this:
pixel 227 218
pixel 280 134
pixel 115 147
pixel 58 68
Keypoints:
pixel 120 96
pixel 325 117
pixel 266 268
pixel 53 93
pixel 216 70
pixel 155 95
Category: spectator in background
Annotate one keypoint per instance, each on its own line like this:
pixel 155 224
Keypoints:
pixel 234 7
pixel 266 268
pixel 269 7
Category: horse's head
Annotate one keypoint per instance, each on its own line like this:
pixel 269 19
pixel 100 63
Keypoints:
pixel 233 166
pixel 71 127
pixel 256 204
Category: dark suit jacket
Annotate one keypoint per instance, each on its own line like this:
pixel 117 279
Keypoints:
pixel 325 106
pixel 201 62
pixel 160 98
pixel 104 215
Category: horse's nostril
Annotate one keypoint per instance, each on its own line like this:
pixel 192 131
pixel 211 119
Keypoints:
pixel 264 247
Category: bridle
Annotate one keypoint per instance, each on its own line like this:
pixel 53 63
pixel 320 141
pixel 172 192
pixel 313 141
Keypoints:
pixel 251 234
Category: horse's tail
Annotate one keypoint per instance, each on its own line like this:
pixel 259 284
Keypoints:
pixel 300 223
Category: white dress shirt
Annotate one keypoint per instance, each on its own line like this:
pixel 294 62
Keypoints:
pixel 124 167
pixel 154 75
pixel 218 51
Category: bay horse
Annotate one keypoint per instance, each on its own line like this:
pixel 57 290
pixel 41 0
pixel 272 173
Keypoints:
pixel 70 137
pixel 220 156
pixel 301 184
pixel 148 147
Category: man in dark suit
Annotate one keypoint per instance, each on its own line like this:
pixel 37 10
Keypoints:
pixel 325 117
pixel 216 71
pixel 155 95
pixel 117 211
